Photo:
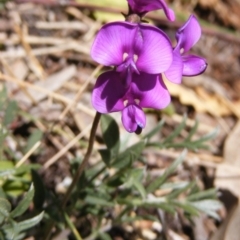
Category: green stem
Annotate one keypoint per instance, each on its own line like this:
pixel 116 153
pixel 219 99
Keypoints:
pixel 72 227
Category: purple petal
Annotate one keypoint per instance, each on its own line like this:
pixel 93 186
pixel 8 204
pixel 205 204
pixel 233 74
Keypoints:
pixel 188 34
pixel 108 92
pixel 144 6
pixel 155 54
pixel 150 91
pixel 174 73
pixel 193 65
pixel 133 117
pixel 112 41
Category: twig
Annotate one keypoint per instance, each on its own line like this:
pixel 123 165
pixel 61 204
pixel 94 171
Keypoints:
pixel 48 50
pixel 32 60
pixel 28 154
pixel 79 93
pixel 53 159
pixel 54 140
pixel 75 25
pixel 47 92
pixel 9 70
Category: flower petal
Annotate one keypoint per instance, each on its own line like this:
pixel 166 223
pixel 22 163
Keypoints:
pixel 188 34
pixel 108 92
pixel 112 41
pixel 133 117
pixel 193 65
pixel 155 55
pixel 174 73
pixel 150 91
pixel 144 6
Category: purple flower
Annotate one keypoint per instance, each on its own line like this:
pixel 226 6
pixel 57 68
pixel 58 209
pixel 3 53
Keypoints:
pixel 132 48
pixel 141 7
pixel 145 91
pixel 184 64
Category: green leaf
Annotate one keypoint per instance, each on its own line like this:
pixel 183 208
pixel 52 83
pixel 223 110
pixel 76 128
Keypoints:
pixel 23 169
pixel 2 193
pixel 174 194
pixel 96 200
pixel 104 236
pixel 159 203
pixel 210 194
pixel 6 165
pixel 147 203
pixel 106 156
pixel 138 185
pixel 176 132
pixel 13 229
pixel 134 179
pixel 14 188
pixel 174 185
pixel 33 139
pixel 154 130
pixel 5 208
pixel 207 137
pixel 187 207
pixel 26 224
pixel 160 180
pixel 192 131
pixel 127 157
pixel 39 196
pixel 24 204
pixel 209 207
pixel 110 133
pixel 7 172
pixel 3 98
pixel 10 231
pixel 10 113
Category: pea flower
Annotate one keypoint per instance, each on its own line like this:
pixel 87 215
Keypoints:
pixel 184 64
pixel 132 48
pixel 141 7
pixel 145 91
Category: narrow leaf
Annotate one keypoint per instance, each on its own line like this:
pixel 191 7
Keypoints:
pixel 39 195
pixel 210 193
pixel 98 201
pixel 30 222
pixel 154 130
pixel 209 207
pixel 104 236
pixel 207 137
pixel 110 133
pixel 5 208
pixel 24 204
pixel 192 210
pixel 10 113
pixel 176 132
pixel 160 180
pixel 33 139
pixel 127 157
pixel 192 131
pixel 106 156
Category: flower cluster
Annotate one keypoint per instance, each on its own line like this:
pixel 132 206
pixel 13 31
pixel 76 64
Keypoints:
pixel 140 54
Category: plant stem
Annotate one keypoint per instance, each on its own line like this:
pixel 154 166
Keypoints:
pixel 72 227
pixel 85 160
pixel 80 168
